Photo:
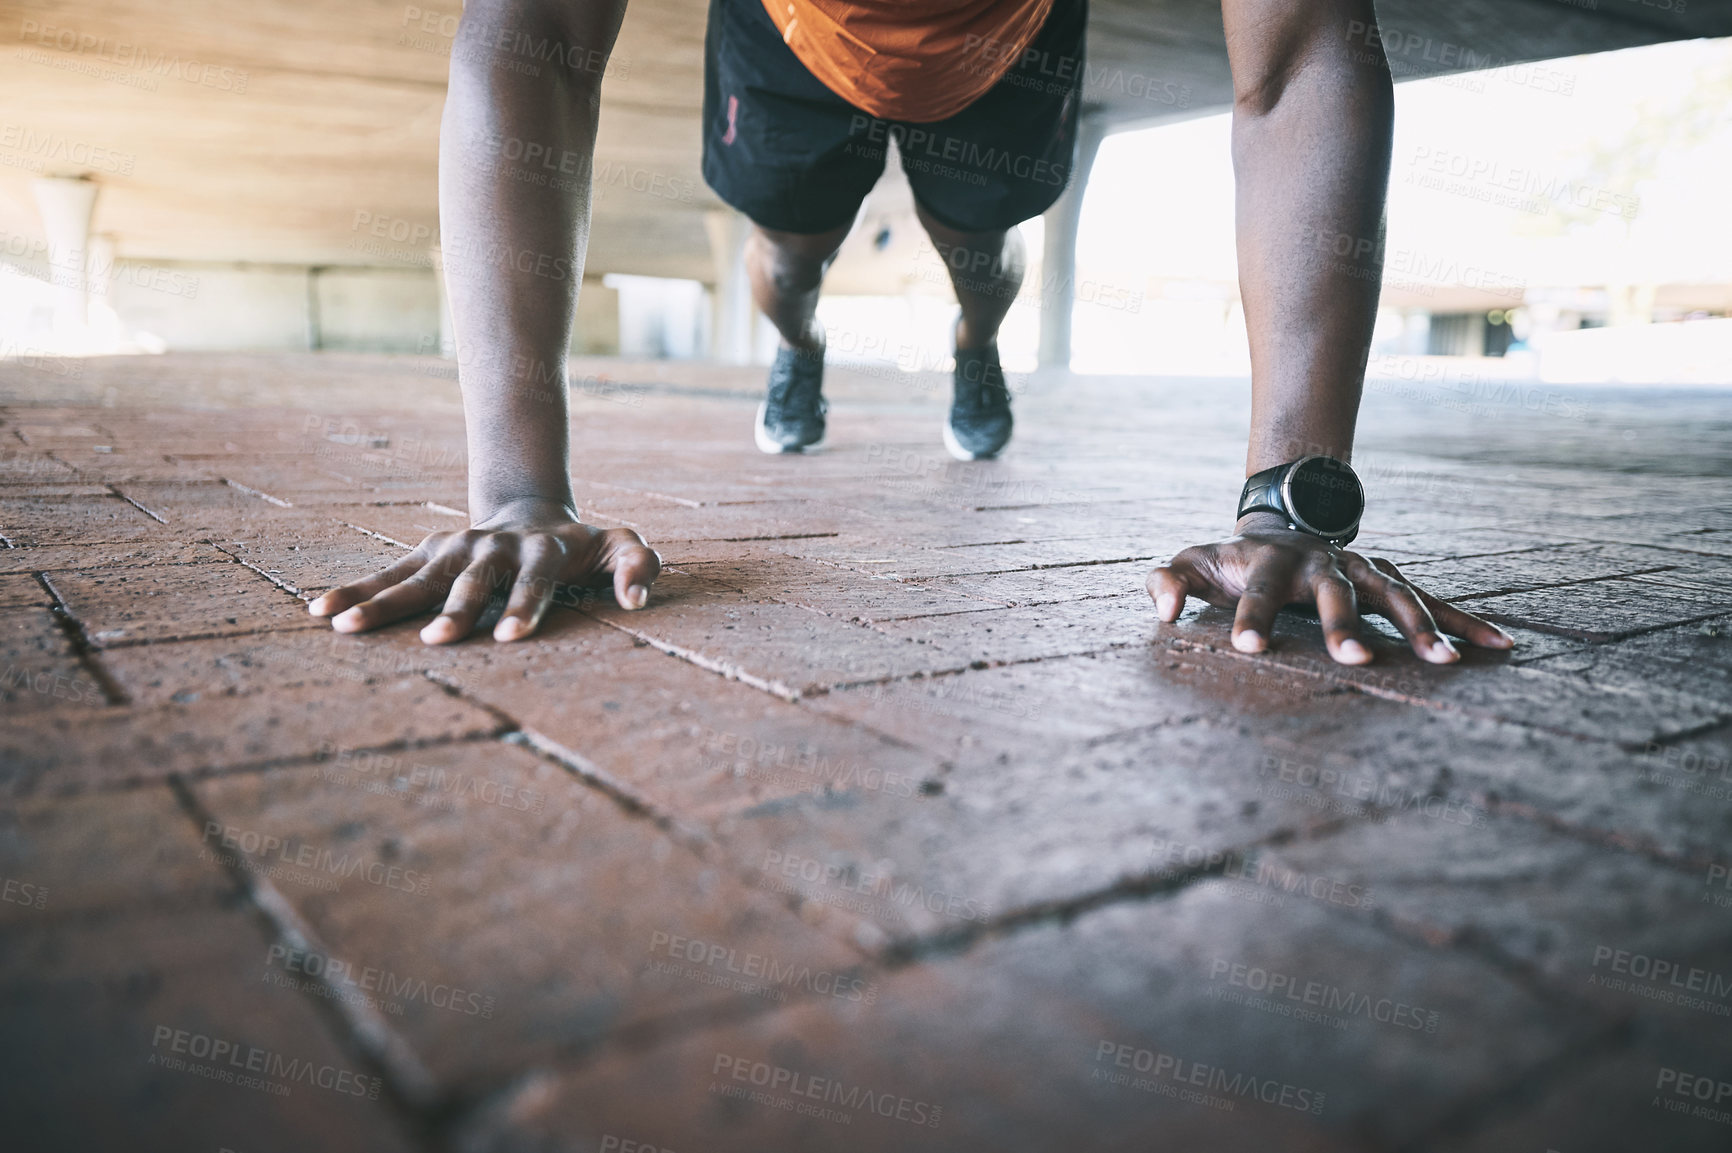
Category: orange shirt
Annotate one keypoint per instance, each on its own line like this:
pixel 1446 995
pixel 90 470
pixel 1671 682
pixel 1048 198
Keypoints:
pixel 915 60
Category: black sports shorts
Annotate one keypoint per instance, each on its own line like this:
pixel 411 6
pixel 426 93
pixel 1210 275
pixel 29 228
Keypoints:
pixel 795 157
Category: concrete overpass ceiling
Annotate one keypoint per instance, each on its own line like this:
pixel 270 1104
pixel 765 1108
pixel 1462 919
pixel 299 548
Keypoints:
pixel 259 131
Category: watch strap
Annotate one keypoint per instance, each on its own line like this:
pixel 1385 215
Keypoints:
pixel 1262 491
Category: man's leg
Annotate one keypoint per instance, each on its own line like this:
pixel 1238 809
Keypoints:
pixel 787 270
pixel 986 270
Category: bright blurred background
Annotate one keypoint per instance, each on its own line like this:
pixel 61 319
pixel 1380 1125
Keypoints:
pixel 1562 221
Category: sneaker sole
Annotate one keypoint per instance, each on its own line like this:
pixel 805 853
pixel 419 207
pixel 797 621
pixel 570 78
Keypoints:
pixel 955 449
pixel 761 436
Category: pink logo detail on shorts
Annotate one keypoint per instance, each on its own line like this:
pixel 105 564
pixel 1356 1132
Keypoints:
pixel 733 111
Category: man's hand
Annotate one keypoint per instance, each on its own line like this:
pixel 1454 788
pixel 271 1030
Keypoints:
pixel 539 548
pixel 1268 565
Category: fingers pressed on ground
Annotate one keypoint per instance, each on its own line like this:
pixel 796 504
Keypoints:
pixel 635 568
pixel 1338 610
pixel 1170 585
pixel 1254 620
pixel 415 594
pixel 1464 624
pixel 469 594
pixel 346 596
pixel 537 582
pixel 1401 604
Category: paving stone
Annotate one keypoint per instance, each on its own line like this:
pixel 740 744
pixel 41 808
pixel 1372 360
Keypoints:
pixel 849 596
pixel 165 602
pixel 23 591
pixel 1378 755
pixel 1054 585
pixel 96 1012
pixel 67 751
pixel 1587 920
pixel 307 558
pixel 120 464
pixel 686 740
pixel 1604 610
pixel 1021 634
pixel 32 468
pixel 30 521
pixel 187 671
pixel 1059 701
pixel 109 854
pixel 1695 659
pixel 768 520
pixel 1537 568
pixel 783 648
pixel 1394 1037
pixel 39 670
pixel 1039 847
pixel 1619 1097
pixel 1483 684
pixel 1010 832
pixel 404 525
pixel 197 503
pixel 50 558
pixel 537 896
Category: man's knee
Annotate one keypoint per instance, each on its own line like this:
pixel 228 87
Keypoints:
pixel 1273 42
pixel 795 262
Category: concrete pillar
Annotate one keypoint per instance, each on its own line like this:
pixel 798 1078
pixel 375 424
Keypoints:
pixel 66 204
pixel 1058 256
pixel 733 314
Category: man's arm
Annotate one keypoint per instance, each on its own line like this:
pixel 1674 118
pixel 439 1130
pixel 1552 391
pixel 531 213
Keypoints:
pixel 1313 116
pixel 515 156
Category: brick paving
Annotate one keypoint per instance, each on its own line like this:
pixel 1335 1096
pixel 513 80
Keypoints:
pixel 895 823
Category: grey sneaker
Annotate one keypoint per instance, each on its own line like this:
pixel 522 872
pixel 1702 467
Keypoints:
pixel 791 419
pixel 980 422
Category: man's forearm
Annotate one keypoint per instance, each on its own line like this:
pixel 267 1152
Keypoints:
pixel 515 155
pixel 1311 142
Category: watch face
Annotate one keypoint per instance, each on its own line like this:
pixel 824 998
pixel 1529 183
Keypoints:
pixel 1324 496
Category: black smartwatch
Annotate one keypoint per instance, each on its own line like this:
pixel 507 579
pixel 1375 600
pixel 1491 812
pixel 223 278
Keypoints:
pixel 1315 494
